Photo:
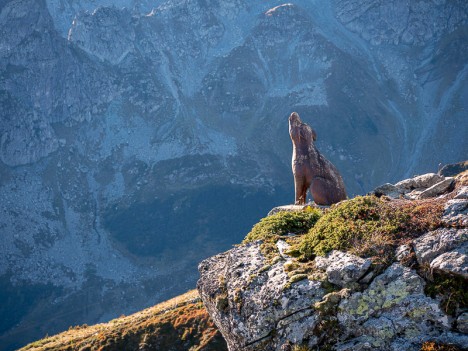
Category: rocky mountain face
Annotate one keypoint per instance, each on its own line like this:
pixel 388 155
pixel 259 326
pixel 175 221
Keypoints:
pixel 343 301
pixel 138 137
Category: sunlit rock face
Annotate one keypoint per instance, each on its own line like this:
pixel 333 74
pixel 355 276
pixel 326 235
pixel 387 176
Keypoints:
pixel 138 137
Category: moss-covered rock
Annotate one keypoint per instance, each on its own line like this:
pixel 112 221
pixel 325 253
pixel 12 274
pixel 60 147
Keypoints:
pixel 370 227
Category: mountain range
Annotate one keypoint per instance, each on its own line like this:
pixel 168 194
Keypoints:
pixel 138 137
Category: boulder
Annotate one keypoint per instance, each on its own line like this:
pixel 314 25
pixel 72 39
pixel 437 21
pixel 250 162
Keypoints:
pixel 389 190
pixel 454 262
pixel 260 302
pixel 453 169
pixel 287 208
pixel 462 193
pixel 437 189
pixel 403 253
pixel 435 243
pixel 419 182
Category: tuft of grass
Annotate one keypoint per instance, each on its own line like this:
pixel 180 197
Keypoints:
pixel 433 346
pixel 368 226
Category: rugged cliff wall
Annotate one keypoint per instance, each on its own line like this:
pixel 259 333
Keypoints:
pixel 122 130
pixel 370 274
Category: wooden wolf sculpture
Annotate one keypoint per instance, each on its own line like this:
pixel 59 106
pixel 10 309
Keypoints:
pixel 311 169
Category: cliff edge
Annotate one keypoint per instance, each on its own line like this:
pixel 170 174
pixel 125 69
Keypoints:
pixel 387 271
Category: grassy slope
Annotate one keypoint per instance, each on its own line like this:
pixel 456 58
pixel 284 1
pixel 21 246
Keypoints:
pixel 181 323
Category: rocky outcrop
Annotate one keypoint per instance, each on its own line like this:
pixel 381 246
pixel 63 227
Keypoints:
pixel 255 303
pixel 420 187
pixel 271 303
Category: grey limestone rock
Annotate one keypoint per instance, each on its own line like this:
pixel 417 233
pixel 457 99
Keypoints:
pixel 456 213
pixel 287 208
pixel 419 182
pixel 444 249
pixel 455 262
pixel 283 247
pixel 420 187
pixel 437 242
pixel 393 314
pixel 256 307
pixel 389 190
pixel 345 268
pixel 437 189
pixel 462 193
pixel 262 309
pixel 403 252
pixel 453 169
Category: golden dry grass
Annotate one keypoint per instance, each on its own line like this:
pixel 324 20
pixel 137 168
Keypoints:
pixel 182 320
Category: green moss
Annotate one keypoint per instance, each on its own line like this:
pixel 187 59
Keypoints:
pixel 297 278
pixel 283 223
pixel 329 303
pixel 350 221
pixel 264 268
pixel 271 228
pixel 370 227
pixel 291 266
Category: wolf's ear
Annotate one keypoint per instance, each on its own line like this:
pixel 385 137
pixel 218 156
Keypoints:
pixel 314 135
